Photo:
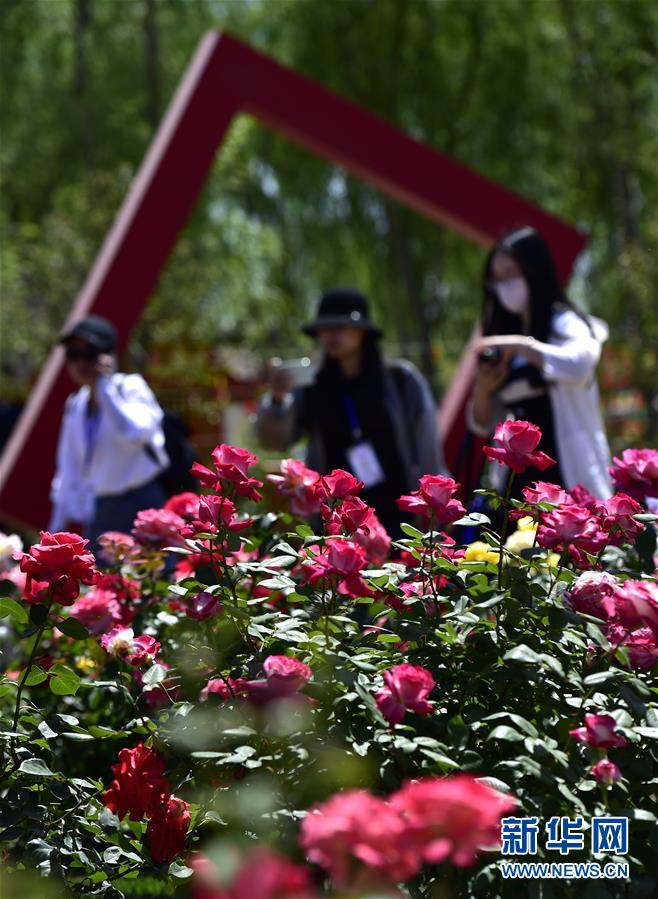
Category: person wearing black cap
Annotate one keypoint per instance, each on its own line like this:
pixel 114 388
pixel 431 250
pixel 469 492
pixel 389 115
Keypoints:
pixel 111 447
pixel 373 417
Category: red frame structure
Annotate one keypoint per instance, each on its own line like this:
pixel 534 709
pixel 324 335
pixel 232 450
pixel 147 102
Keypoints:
pixel 224 78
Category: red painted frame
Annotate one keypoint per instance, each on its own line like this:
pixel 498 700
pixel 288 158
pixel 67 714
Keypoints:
pixel 226 77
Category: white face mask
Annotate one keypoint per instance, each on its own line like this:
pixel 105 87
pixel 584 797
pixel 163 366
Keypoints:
pixel 513 295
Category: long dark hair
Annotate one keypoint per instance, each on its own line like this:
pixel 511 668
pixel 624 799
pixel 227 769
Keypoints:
pixel 321 397
pixel 532 255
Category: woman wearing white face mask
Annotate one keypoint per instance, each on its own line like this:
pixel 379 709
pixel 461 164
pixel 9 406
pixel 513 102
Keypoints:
pixel 537 362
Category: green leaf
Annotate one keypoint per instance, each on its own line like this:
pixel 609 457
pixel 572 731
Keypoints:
pixel 38 614
pixel 522 653
pixel 303 530
pixel 503 732
pixel 36 767
pixel 411 531
pixel 155 675
pixel 63 681
pixel 9 608
pixel 73 628
pixel 36 676
pixel 180 871
pixel 388 638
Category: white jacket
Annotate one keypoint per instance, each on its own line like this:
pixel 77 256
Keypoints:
pixel 130 420
pixel 569 367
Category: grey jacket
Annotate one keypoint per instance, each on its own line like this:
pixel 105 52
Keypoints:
pixel 413 414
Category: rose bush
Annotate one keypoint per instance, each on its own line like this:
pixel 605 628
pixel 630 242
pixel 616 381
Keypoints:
pixel 234 706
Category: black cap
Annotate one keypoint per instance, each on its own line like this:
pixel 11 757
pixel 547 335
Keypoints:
pixel 94 329
pixel 342 306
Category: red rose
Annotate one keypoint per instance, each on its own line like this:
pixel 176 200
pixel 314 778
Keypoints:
pixel 139 787
pixel 231 471
pixel 167 829
pixel 451 818
pixel 212 513
pixel 340 484
pixel 202 606
pixel 183 504
pixel 61 562
pixel 407 687
pixel 519 441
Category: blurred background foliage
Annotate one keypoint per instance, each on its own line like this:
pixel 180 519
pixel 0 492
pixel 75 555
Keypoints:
pixel 557 99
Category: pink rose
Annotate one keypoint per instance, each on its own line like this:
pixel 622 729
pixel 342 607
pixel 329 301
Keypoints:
pixel 373 539
pixel 592 594
pixel 407 687
pixel 571 526
pixel 286 674
pixel 122 643
pixel 357 837
pixel 544 492
pixel 582 497
pixel 226 688
pixel 158 528
pixel 263 874
pixel 351 515
pixel 98 611
pixel 636 604
pixel 636 473
pixel 606 772
pixel 301 484
pixel 600 731
pixel 616 515
pixel 641 644
pixel 519 441
pixel 340 561
pixel 451 818
pixel 434 498
pixel 115 547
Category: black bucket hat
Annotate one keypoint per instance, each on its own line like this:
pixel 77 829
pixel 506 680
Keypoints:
pixel 342 306
pixel 93 329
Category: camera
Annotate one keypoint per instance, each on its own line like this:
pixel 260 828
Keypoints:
pixel 490 356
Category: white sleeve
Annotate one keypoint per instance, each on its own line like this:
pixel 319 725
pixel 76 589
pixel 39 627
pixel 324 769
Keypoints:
pixel 130 406
pixel 66 475
pixel 575 353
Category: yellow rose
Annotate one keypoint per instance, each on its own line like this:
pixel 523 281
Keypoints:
pixel 481 552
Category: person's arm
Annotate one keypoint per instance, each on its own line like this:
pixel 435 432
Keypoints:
pixel 573 359
pixel 483 410
pixel 130 406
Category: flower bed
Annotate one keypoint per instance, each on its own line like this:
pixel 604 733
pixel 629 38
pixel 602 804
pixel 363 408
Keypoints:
pixel 241 706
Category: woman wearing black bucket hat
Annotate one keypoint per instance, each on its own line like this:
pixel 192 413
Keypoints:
pixel 373 417
pixel 111 448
